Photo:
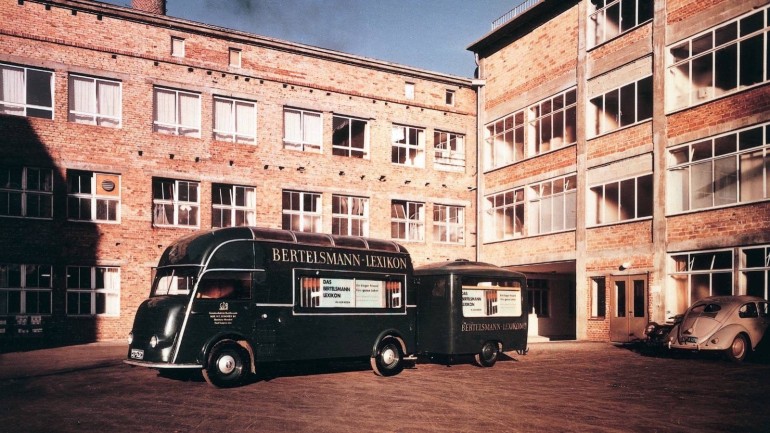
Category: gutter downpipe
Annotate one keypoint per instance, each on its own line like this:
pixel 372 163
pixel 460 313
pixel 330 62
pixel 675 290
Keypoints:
pixel 478 84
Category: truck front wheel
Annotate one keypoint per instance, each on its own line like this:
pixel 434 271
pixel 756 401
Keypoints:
pixel 227 364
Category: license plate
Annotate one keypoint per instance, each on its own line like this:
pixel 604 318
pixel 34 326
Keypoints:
pixel 137 354
pixel 691 340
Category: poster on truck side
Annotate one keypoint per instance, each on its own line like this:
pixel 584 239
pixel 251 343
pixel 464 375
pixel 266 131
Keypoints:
pixel 484 302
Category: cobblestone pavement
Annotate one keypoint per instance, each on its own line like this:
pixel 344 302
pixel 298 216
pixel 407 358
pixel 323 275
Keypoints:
pixel 557 387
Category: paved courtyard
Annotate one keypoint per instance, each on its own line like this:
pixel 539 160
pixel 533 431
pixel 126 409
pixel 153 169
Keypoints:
pixel 557 387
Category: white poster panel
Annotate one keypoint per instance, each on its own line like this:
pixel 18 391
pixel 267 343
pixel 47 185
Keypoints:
pixel 473 303
pixel 491 303
pixel 370 294
pixel 337 292
pixel 509 303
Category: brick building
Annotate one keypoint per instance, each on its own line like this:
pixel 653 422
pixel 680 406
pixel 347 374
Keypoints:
pixel 122 129
pixel 624 157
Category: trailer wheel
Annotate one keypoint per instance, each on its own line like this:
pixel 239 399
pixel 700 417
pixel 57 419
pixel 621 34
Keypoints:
pixel 227 366
pixel 389 359
pixel 738 349
pixel 488 355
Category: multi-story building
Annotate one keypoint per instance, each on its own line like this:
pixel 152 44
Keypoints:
pixel 624 157
pixel 122 129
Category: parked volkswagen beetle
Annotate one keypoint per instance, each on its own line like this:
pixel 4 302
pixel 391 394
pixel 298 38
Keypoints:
pixel 733 325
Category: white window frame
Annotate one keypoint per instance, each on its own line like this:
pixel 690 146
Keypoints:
pixel 544 116
pixel 599 31
pixel 504 215
pixel 98 108
pixel 237 127
pixel 702 52
pixel 450 97
pixel 448 151
pixel 181 209
pixel 409 90
pixel 100 198
pixel 342 137
pixel 449 224
pixel 404 148
pixel 601 120
pixel 235 57
pixel 306 135
pixel 598 297
pixel 78 288
pixel 177 46
pixel 301 211
pixel 350 213
pixel 28 184
pixel 27 274
pixel 180 124
pixel 504 141
pixel 15 96
pixel 750 270
pixel 600 212
pixel 233 209
pixel 744 147
pixel 701 265
pixel 407 220
pixel 558 207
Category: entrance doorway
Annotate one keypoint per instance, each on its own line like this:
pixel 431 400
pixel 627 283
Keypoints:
pixel 628 316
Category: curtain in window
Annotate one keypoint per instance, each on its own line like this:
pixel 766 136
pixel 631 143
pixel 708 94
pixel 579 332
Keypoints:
pixel 245 121
pixel 108 101
pixel 292 126
pixel 165 109
pixel 189 114
pixel 12 90
pixel 224 123
pixel 82 100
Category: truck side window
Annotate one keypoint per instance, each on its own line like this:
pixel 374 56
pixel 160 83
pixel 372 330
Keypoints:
pixel 233 255
pixel 225 285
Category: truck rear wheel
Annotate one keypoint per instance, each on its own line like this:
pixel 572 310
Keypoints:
pixel 388 359
pixel 227 364
pixel 488 354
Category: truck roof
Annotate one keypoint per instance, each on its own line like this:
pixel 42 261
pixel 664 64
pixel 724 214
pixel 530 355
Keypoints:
pixel 466 267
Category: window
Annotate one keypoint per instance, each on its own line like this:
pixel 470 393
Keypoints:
pixel 235 120
pixel 332 291
pixel 621 107
pixel 598 297
pixel 755 270
pixel 485 298
pixel 553 206
pixel 717 62
pixel 610 18
pixel 537 297
pixel 177 112
pixel 553 123
pixel 176 203
pixel 703 274
pixel 449 224
pixel 449 151
pixel 26 91
pixel 350 137
pixel 408 146
pixel 95 101
pixel 504 141
pixel 177 46
pixel 302 130
pixel 623 200
pixel 301 211
pixel 409 91
pixel 724 170
pixel 93 196
pixel 25 289
pixel 504 215
pixel 449 97
pixel 350 215
pixel 233 205
pixel 93 290
pixel 234 55
pixel 26 192
pixel 407 220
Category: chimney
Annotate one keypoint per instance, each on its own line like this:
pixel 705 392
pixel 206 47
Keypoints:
pixel 152 6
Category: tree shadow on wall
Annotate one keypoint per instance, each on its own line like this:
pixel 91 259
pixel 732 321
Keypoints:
pixel 38 245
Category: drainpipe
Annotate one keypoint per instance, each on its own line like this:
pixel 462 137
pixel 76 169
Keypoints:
pixel 478 85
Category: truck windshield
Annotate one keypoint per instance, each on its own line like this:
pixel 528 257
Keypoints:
pixel 174 281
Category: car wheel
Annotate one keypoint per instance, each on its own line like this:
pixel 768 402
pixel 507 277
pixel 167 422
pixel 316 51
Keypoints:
pixel 738 349
pixel 488 354
pixel 389 359
pixel 227 366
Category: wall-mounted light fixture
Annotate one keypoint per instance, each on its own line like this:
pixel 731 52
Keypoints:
pixel 625 265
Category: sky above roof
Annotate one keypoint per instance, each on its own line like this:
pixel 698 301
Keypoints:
pixel 426 34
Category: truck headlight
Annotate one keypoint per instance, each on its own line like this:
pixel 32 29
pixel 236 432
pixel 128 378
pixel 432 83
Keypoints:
pixel 154 341
pixel 130 337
